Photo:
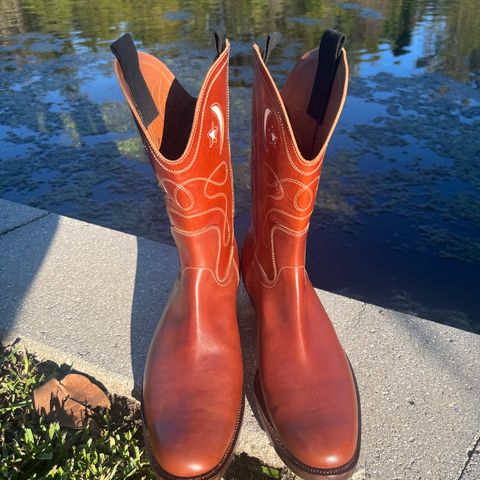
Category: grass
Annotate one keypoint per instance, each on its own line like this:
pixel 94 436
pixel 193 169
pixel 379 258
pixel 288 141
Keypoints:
pixel 32 449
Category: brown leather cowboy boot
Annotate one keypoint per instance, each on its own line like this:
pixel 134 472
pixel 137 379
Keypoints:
pixel 192 390
pixel 305 389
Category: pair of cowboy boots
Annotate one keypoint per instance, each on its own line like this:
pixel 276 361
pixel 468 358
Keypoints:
pixel 305 390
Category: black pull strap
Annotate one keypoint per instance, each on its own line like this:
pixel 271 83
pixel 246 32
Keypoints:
pixel 126 53
pixel 272 40
pixel 328 57
pixel 219 39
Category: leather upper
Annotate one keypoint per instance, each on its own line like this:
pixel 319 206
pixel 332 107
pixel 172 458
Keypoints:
pixel 192 391
pixel 306 381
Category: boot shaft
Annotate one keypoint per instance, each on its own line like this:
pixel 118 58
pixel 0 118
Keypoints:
pixel 288 147
pixel 187 142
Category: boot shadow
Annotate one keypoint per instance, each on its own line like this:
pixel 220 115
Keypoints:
pixel 154 279
pixel 248 337
pixel 245 467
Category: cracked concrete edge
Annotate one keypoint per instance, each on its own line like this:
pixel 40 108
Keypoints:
pixel 471 469
pixel 15 215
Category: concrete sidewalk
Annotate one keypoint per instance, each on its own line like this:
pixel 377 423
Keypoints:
pixel 86 295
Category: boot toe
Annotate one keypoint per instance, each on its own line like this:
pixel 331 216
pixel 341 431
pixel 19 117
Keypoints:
pixel 320 447
pixel 184 464
pixel 189 452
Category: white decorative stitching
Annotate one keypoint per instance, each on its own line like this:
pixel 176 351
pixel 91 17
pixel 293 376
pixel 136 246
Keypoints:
pixel 218 278
pixel 208 181
pixel 206 269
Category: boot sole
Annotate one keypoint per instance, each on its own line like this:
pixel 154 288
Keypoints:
pixel 296 466
pixel 215 473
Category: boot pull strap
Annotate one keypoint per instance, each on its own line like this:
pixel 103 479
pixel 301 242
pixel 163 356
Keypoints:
pixel 126 53
pixel 271 41
pixel 219 39
pixel 329 54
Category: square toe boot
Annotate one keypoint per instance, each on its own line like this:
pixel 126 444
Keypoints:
pixel 192 401
pixel 305 388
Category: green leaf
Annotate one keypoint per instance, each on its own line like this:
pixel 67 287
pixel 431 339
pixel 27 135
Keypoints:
pixel 26 363
pixel 270 472
pixel 29 437
pixel 52 429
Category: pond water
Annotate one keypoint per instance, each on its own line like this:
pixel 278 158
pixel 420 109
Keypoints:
pixel 397 221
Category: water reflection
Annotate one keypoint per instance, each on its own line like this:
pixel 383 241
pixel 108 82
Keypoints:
pixel 398 212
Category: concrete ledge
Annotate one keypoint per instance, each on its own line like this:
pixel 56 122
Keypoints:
pixel 90 296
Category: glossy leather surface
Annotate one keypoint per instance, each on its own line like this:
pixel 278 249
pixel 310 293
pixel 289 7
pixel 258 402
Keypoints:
pixel 304 379
pixel 192 390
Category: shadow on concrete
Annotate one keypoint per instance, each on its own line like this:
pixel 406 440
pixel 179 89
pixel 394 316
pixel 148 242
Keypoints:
pixel 245 467
pixel 22 251
pixel 248 338
pixel 154 280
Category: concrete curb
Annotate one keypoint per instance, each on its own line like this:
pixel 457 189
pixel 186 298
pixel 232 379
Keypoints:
pixel 85 295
